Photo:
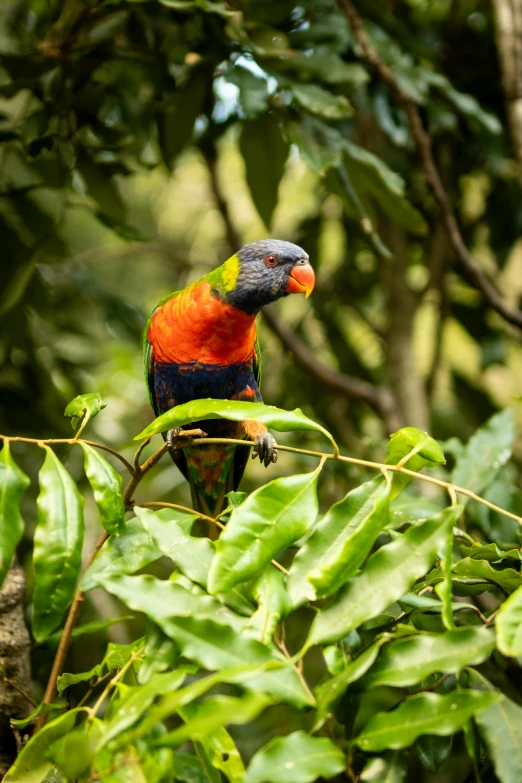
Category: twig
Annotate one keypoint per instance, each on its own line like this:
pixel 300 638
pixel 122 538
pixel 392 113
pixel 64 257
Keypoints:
pixel 423 143
pixel 298 669
pixel 71 442
pixel 17 689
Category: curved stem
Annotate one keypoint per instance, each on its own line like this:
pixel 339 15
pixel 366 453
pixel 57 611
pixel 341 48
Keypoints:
pixel 71 442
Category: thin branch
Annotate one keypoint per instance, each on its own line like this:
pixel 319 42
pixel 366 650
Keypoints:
pixel 209 152
pixel 71 442
pixel 379 398
pixel 297 668
pixel 422 141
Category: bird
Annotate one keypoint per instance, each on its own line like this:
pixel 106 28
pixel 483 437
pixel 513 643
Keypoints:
pixel 201 342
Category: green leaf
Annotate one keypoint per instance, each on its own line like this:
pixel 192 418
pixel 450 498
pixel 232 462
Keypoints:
pixel 253 90
pixel 388 768
pixel 319 101
pixel 13 483
pixel 86 628
pixel 137 700
pixel 159 654
pixel 265 152
pixel 490 552
pixel 178 114
pixel 32 765
pixel 464 103
pixel 320 145
pixel 58 540
pixel 42 709
pixel 116 656
pixel 74 753
pixel 163 600
pixel 188 769
pixel 297 758
pixel 213 714
pixel 387 575
pixel 408 661
pixel 101 188
pixel 219 749
pixel 374 181
pixel 106 485
pixel 340 542
pixel 424 451
pixel 208 633
pixel 500 727
pixel 424 713
pixel 445 588
pixel 201 410
pixel 270 519
pixel 128 552
pixel 507 578
pixel 83 408
pixel 274 605
pixel 485 453
pixel 433 751
pixel 508 625
pixel 329 693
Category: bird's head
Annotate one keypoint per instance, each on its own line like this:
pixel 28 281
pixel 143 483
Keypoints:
pixel 266 271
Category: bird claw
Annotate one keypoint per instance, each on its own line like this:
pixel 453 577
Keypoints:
pixel 173 441
pixel 265 448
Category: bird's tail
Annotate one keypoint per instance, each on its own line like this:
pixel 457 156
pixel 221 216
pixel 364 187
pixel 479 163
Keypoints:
pixel 211 476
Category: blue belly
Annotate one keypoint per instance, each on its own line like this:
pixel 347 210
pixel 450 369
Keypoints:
pixel 176 384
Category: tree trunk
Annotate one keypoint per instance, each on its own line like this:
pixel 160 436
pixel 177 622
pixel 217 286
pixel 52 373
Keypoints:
pixel 15 672
pixel 508 23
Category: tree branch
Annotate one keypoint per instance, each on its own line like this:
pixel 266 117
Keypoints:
pixel 508 27
pixel 422 141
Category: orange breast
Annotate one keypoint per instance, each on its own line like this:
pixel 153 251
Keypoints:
pixel 197 327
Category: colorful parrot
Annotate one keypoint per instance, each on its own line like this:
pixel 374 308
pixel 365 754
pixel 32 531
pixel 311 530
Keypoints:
pixel 201 342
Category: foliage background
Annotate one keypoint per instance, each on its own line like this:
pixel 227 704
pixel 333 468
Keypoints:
pixel 140 142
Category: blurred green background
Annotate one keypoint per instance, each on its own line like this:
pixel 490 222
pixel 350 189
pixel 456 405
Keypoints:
pixel 142 141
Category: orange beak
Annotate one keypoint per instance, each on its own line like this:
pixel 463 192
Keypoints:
pixel 301 280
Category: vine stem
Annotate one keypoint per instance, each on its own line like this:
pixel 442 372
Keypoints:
pixel 381 466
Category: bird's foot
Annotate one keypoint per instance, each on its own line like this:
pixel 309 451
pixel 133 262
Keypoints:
pixel 178 437
pixel 265 448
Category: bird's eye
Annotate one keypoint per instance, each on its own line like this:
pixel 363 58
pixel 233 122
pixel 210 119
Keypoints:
pixel 271 260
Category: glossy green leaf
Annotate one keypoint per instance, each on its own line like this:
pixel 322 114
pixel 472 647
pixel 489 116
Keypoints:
pixel 329 693
pixel 58 540
pixel 408 661
pixel 207 632
pixel 13 483
pixel 424 713
pixel 74 753
pixel 32 765
pixel 83 408
pixel 320 145
pixel 270 519
pixel 264 151
pixel 500 727
pixel 317 100
pixel 213 714
pixel 507 578
pixel 42 709
pixel 424 451
pixel 106 485
pixel 433 751
pixel 340 542
pixel 387 575
pixel 116 656
pixel 219 749
pixel 484 454
pixel 389 768
pixel 253 90
pixel 159 654
pixel 201 410
pixel 445 589
pixel 130 551
pixel 137 700
pixel 188 769
pixel 491 552
pixel 297 758
pixel 274 604
pixel 508 625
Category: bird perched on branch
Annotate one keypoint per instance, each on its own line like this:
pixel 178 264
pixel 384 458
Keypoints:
pixel 201 342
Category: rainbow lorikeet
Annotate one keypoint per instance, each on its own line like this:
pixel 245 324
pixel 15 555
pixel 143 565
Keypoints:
pixel 201 342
